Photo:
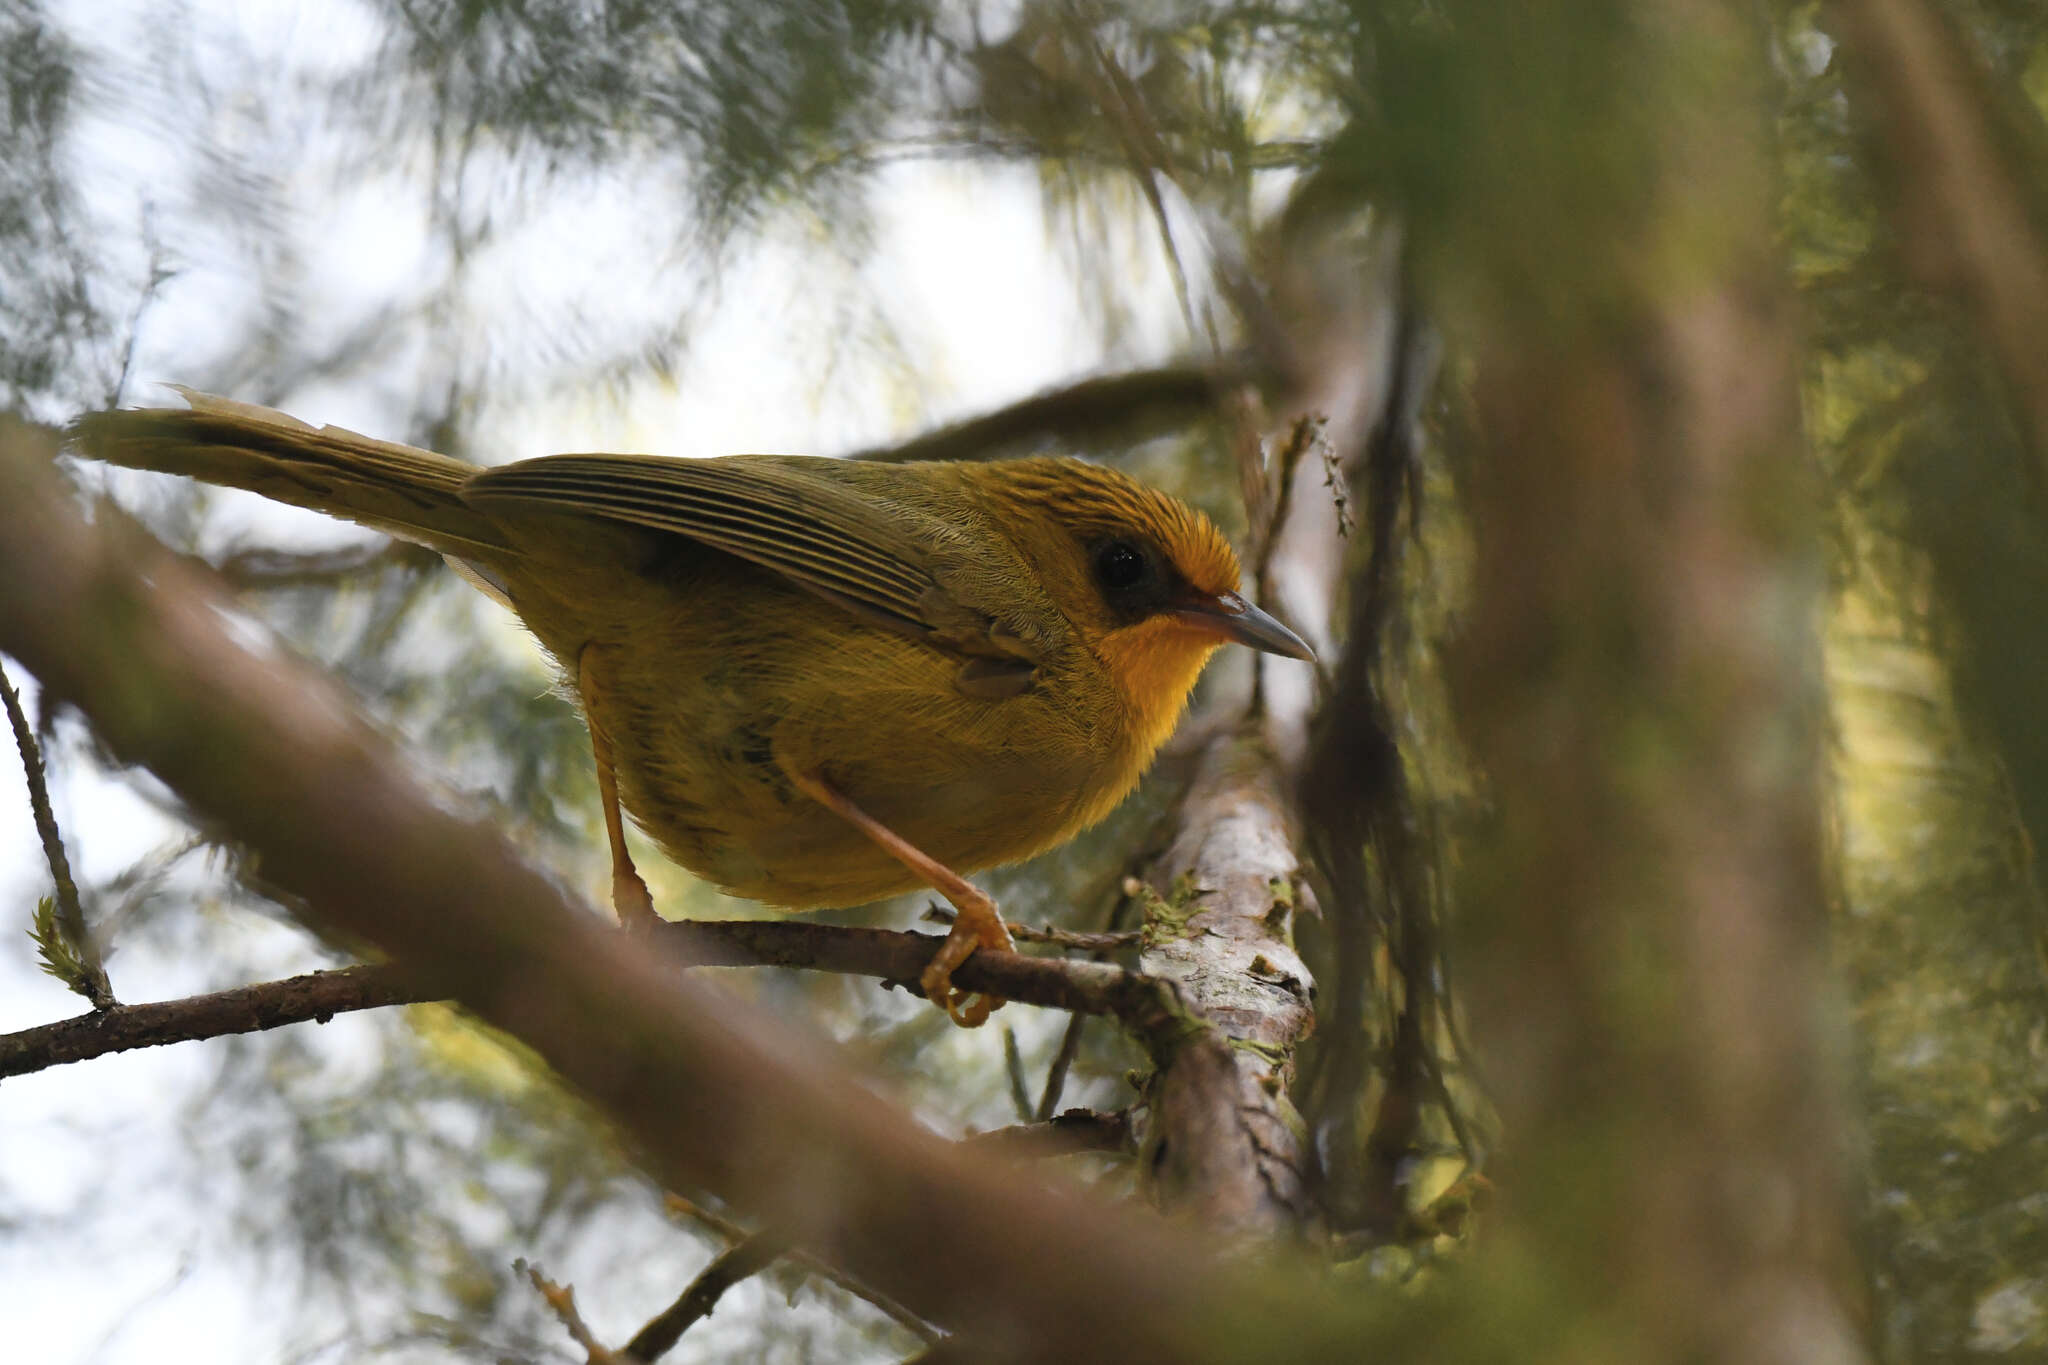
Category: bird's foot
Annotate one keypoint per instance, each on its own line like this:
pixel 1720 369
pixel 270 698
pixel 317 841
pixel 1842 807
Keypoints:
pixel 631 901
pixel 978 925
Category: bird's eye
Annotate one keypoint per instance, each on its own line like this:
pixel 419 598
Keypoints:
pixel 1120 566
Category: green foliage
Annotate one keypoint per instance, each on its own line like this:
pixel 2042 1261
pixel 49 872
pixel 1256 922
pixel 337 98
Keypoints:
pixel 54 950
pixel 53 321
pixel 752 100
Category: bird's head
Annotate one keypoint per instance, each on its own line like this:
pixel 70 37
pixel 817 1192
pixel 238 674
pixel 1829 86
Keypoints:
pixel 1147 581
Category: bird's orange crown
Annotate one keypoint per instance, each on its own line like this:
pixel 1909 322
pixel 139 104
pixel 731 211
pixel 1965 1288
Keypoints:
pixel 1118 557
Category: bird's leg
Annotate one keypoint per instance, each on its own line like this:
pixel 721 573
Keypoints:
pixel 978 925
pixel 630 898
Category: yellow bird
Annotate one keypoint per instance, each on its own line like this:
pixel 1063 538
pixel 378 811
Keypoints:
pixel 814 682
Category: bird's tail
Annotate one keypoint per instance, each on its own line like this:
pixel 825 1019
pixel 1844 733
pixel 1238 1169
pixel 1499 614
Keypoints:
pixel 401 490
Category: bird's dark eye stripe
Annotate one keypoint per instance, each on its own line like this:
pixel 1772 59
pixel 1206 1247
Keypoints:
pixel 1120 565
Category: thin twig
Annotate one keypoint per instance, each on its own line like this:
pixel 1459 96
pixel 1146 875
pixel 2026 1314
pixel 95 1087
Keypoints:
pixel 1013 1067
pixel 1277 493
pixel 1146 155
pixel 244 1009
pixel 747 1257
pixel 1279 154
pixel 562 1300
pixel 1070 1038
pixel 159 274
pixel 894 956
pixel 809 1264
pixel 1062 1063
pixel 91 981
pixel 1080 940
pixel 899 957
pixel 1306 431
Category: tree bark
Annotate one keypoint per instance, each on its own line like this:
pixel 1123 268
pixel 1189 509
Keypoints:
pixel 1223 1139
pixel 1640 685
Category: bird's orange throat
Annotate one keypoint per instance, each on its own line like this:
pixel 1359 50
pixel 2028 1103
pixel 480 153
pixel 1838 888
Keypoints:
pixel 1155 664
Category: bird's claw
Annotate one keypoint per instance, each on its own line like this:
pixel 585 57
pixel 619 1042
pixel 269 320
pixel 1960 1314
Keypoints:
pixel 977 926
pixel 969 1009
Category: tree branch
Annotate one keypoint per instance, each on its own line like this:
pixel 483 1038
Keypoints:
pixel 733 1233
pixel 561 1300
pixel 894 956
pixel 748 1256
pixel 1117 409
pixel 1147 1006
pixel 244 1009
pixel 1223 1138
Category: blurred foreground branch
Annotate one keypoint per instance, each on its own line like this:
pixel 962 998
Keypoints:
pixel 1115 410
pixel 1639 677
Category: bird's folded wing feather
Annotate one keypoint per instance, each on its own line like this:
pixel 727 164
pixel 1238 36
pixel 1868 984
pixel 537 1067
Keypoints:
pixel 829 539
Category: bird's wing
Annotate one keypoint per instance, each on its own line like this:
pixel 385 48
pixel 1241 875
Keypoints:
pixel 833 540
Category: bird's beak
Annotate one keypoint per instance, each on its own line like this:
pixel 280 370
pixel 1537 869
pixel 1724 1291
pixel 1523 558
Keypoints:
pixel 1235 619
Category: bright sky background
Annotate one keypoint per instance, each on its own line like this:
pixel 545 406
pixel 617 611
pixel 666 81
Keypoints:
pixel 981 307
